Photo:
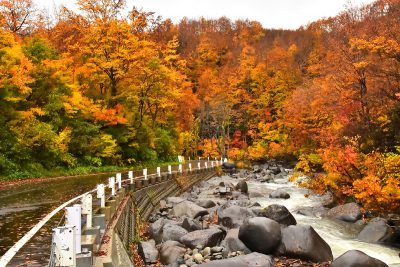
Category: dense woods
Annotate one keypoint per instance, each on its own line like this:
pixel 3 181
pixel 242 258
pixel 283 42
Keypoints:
pixel 99 87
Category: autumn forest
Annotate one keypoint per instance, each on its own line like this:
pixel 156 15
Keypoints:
pixel 112 85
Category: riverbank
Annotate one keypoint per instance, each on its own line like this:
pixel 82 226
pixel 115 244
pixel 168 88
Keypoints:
pixel 64 173
pixel 213 225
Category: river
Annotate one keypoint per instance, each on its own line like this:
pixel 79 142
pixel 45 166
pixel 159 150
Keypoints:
pixel 339 235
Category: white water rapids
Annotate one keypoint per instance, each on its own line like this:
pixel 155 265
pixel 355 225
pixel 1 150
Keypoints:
pixel 339 235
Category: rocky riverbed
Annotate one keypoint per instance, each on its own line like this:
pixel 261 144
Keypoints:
pixel 259 218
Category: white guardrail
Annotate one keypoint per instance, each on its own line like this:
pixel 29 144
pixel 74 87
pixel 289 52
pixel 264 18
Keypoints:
pixel 84 209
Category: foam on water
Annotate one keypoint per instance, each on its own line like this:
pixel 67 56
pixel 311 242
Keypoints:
pixel 339 235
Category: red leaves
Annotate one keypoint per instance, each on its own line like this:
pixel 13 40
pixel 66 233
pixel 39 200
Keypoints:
pixel 111 116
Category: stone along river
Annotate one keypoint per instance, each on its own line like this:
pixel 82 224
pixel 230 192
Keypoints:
pixel 339 235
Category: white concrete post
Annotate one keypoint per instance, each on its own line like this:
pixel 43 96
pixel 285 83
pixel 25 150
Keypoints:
pixel 189 159
pixel 190 167
pixel 64 242
pixel 180 168
pixel 158 172
pixel 87 209
pixel 111 185
pixel 101 194
pixel 119 180
pixel 169 169
pixel 130 176
pixel 73 218
pixel 145 174
pixel 221 161
pixel 199 165
pixel 212 164
pixel 206 165
pixel 208 158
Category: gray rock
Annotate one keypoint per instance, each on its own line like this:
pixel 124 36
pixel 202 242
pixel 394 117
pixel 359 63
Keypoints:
pixel 190 224
pixel 275 169
pixel 301 241
pixel 232 243
pixel 189 209
pixel 279 214
pixel 206 203
pixel 203 238
pixel 279 194
pixel 171 251
pixel 260 234
pixel 173 232
pixel 147 250
pixel 233 216
pixel 349 212
pixel 250 260
pixel 313 211
pixel 377 230
pixel 356 258
pixel 253 194
pixel 242 187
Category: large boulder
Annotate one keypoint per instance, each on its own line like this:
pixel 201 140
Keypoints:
pixel 356 258
pixel 148 251
pixel 170 251
pixel 203 238
pixel 242 187
pixel 254 259
pixel 232 243
pixel 191 224
pixel 233 216
pixel 279 214
pixel 206 203
pixel 349 212
pixel 377 230
pixel 301 241
pixel 279 194
pixel 189 209
pixel 173 232
pixel 155 230
pixel 260 234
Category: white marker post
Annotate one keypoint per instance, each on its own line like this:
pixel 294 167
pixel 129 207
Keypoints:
pixel 206 165
pixel 87 209
pixel 119 180
pixel 169 169
pixel 145 174
pixel 111 185
pixel 158 172
pixel 199 165
pixel 64 242
pixel 212 164
pixel 130 176
pixel 101 194
pixel 180 168
pixel 73 218
pixel 190 167
pixel 208 158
